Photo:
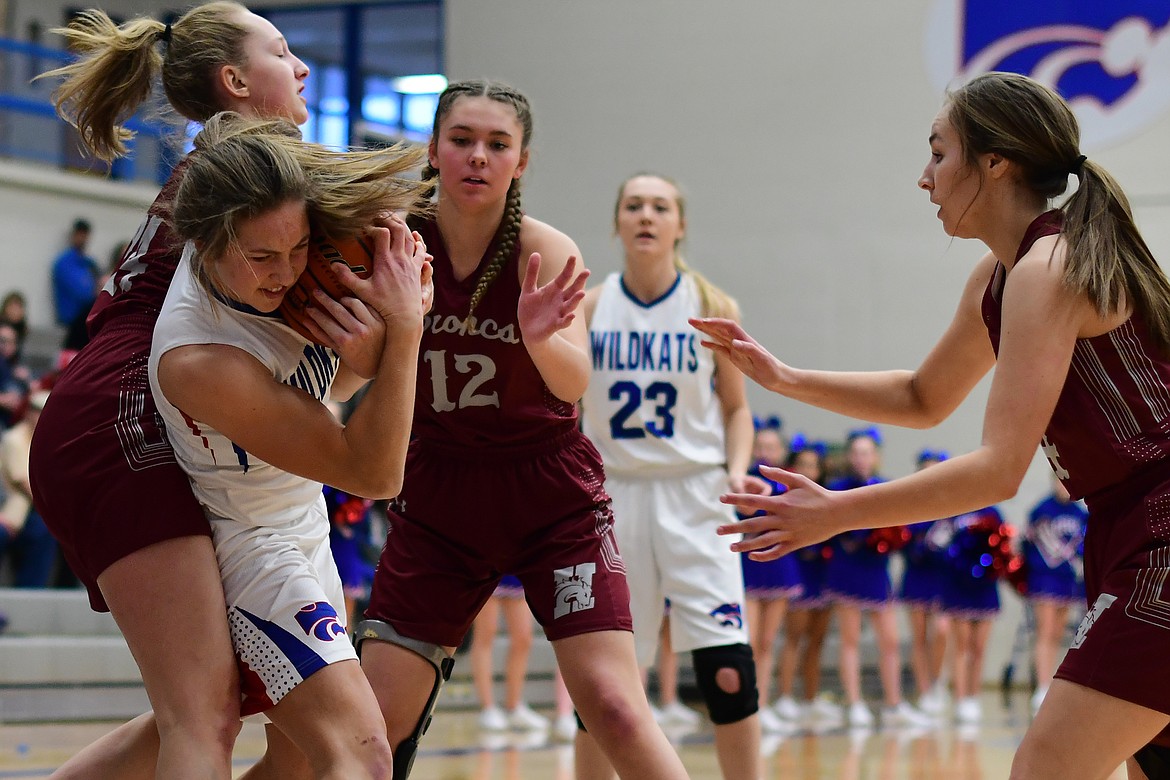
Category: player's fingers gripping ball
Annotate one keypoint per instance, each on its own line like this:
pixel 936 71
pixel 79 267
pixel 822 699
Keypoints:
pixel 324 254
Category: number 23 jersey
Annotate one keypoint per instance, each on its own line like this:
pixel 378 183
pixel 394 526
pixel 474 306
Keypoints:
pixel 651 404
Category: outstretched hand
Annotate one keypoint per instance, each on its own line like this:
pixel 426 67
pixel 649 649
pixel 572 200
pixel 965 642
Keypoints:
pixel 543 311
pixel 727 337
pixel 804 514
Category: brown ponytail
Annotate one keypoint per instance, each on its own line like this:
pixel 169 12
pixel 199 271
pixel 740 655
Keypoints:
pixel 118 67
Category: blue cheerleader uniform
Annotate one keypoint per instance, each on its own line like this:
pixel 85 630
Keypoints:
pixel 972 592
pixel 927 565
pixel 770 580
pixel 857 573
pixel 811 564
pixel 349 530
pixel 1054 551
pixel 510 587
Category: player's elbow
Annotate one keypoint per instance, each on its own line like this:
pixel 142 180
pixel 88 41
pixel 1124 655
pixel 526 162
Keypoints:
pixel 1001 480
pixel 377 484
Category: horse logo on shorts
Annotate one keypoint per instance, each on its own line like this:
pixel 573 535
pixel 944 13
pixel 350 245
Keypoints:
pixel 1103 602
pixel 320 620
pixel 573 589
pixel 730 615
pixel 1111 61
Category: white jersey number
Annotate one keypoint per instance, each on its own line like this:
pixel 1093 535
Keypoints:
pixel 482 370
pixel 131 264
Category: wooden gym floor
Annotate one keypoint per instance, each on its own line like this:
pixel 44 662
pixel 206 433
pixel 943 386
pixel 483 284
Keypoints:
pixel 456 749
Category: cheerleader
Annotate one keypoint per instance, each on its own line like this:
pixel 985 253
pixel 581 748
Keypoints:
pixel 858 580
pixel 1054 562
pixel 768 585
pixel 349 535
pixel 508 599
pixel 922 586
pixel 809 613
pixel 971 600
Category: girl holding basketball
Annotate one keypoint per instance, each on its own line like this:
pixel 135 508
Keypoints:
pixel 103 474
pixel 498 477
pixel 1074 313
pixel 242 396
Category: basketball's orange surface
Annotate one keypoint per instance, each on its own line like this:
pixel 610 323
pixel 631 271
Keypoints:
pixel 319 274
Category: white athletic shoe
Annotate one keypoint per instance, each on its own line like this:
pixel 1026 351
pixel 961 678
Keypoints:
pixel 524 718
pixel 858 714
pixel 902 714
pixel 1038 698
pixel 565 727
pixel 770 743
pixel 678 714
pixel 493 719
pixel 787 708
pixel 771 723
pixel 934 701
pixel 659 715
pixel 969 710
pixel 821 707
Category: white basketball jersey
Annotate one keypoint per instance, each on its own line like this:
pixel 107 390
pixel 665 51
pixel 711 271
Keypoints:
pixel 227 480
pixel 651 404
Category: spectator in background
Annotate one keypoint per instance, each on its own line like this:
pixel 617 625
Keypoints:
pixel 23 535
pixel 14 310
pixel 14 376
pixel 75 285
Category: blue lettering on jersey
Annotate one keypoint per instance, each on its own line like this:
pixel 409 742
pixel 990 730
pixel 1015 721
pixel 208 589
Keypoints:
pixel 314 374
pixel 633 350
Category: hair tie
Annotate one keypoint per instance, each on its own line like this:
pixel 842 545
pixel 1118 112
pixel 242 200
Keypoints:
pixel 166 34
pixel 1078 164
pixel 771 422
pixel 929 454
pixel 871 433
pixel 800 443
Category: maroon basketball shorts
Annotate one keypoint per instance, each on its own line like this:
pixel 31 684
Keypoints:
pixel 466 517
pixel 103 473
pixel 1123 642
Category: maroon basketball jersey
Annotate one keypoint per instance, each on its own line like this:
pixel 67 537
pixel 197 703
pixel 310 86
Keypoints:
pixel 477 386
pixel 145 271
pixel 1113 416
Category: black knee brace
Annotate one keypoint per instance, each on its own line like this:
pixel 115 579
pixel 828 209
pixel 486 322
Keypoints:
pixel 1154 761
pixel 725 707
pixel 404 752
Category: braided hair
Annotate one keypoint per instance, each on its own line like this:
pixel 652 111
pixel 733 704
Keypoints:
pixel 507 237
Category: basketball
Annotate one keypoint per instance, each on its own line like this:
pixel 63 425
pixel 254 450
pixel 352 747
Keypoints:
pixel 324 252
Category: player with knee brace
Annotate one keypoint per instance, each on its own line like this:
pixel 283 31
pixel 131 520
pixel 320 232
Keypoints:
pixel 499 479
pixel 674 429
